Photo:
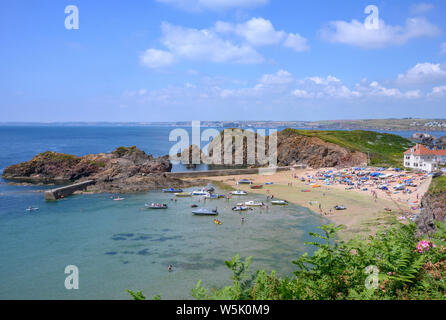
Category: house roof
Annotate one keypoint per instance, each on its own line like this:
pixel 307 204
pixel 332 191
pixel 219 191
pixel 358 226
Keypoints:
pixel 420 150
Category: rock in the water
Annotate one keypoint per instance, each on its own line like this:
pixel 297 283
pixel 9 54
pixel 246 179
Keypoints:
pixel 423 138
pixel 127 169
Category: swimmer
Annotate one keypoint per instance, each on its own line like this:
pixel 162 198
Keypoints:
pixel 170 267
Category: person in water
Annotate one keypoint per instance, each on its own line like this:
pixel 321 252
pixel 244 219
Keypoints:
pixel 170 267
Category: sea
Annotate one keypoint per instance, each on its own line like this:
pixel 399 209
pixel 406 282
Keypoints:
pixel 119 245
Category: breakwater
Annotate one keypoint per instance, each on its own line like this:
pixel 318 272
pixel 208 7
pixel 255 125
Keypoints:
pixel 227 172
pixel 65 191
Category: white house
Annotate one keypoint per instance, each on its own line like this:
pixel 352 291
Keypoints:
pixel 422 158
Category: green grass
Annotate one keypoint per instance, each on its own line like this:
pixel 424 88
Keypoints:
pixel 437 185
pixel 384 148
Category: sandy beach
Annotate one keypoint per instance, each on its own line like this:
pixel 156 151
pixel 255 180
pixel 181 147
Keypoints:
pixel 368 207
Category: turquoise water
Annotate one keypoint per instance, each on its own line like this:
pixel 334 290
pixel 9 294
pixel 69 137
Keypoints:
pixel 115 245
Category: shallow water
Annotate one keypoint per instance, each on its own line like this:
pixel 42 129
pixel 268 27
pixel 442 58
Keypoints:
pixel 118 245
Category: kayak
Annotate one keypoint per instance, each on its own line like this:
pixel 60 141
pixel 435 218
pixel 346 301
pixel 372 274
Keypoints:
pixel 217 221
pixel 118 199
pixel 32 209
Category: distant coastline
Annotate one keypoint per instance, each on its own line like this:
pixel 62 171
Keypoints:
pixel 405 124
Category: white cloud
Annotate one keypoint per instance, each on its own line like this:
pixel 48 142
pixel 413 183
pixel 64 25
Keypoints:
pixel 199 5
pixel 438 91
pixel 205 45
pixel 423 73
pixel 153 58
pixel 302 94
pixel 296 42
pixel 356 34
pixel 421 8
pixel 261 32
pixel 279 78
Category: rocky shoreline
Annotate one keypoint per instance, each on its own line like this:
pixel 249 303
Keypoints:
pixel 125 170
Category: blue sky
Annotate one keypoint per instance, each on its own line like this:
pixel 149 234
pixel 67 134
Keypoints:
pixel 178 60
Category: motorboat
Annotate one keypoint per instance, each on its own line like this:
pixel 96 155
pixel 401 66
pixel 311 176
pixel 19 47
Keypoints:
pixel 205 212
pixel 201 192
pixel 212 196
pixel 209 188
pixel 183 194
pixel 244 181
pixel 239 193
pixel 172 190
pixel 156 206
pixel 279 202
pixel 240 208
pixel 340 208
pixel 251 204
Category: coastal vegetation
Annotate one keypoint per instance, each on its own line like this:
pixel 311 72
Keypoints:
pixel 395 264
pixel 383 149
pixel 437 185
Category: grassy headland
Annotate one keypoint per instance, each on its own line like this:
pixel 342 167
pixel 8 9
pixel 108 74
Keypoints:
pixel 383 148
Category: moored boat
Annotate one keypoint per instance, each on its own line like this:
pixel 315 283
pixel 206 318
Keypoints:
pixel 205 212
pixel 183 194
pixel 279 202
pixel 259 186
pixel 239 193
pixel 240 208
pixel 172 190
pixel 156 206
pixel 201 192
pixel 251 204
pixel 244 181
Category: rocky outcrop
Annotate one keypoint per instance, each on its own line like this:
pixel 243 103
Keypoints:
pixel 433 208
pixel 423 138
pixel 292 149
pixel 127 169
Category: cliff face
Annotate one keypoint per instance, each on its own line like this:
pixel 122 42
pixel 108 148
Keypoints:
pixel 314 152
pixel 123 170
pixel 291 149
pixel 433 207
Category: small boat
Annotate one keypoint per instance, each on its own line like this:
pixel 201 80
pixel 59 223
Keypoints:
pixel 209 188
pixel 156 206
pixel 340 208
pixel 31 209
pixel 212 196
pixel 194 205
pixel 183 194
pixel 239 193
pixel 205 212
pixel 201 192
pixel 216 221
pixel 269 183
pixel 251 204
pixel 118 199
pixel 244 181
pixel 259 186
pixel 240 208
pixel 172 190
pixel 279 202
